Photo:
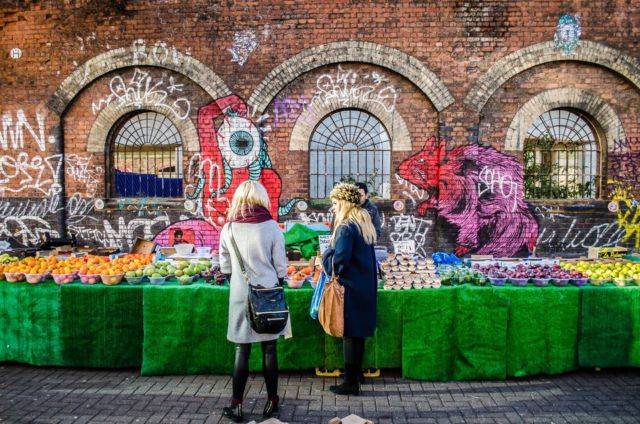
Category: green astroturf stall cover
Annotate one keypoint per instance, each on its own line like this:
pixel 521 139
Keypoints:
pixel 30 323
pixel 101 325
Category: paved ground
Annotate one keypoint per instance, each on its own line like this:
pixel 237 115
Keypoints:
pixel 62 395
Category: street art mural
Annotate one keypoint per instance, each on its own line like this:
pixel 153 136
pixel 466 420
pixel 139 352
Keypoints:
pixel 478 190
pixel 567 36
pixel 623 188
pixel 231 153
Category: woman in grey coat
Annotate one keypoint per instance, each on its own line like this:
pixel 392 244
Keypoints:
pixel 261 245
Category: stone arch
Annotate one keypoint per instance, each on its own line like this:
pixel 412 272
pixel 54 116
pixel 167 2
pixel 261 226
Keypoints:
pixel 309 119
pixel 538 54
pixel 604 114
pixel 108 116
pixel 351 51
pixel 140 54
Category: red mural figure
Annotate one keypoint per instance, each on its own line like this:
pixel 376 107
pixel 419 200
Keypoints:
pixel 480 191
pixel 230 154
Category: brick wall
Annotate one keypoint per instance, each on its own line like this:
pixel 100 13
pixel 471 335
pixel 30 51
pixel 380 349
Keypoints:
pixel 465 72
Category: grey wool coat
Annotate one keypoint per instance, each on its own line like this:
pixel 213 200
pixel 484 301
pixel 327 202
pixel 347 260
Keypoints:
pixel 262 249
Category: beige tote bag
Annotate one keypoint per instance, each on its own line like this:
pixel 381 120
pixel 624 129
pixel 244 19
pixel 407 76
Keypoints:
pixel 331 312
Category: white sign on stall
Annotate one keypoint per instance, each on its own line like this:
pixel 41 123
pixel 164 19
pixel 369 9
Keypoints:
pixel 324 240
pixel 406 247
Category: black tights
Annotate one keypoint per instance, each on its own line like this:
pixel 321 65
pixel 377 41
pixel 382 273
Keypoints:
pixel 269 368
pixel 353 349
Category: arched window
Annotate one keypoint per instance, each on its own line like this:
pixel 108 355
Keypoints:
pixel 561 157
pixel 146 157
pixel 350 145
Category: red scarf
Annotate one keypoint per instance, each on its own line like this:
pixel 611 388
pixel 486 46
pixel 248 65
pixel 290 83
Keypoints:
pixel 252 214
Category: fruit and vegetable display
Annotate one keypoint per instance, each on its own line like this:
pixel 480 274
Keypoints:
pixel 406 272
pixel 456 275
pixel 296 276
pixel 537 274
pixel 93 269
pixel 621 273
pixel 6 258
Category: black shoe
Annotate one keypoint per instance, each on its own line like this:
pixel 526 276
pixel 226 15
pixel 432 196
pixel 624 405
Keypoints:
pixel 346 389
pixel 271 407
pixel 361 377
pixel 234 413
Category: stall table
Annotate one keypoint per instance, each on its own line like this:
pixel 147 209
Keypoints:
pixel 451 333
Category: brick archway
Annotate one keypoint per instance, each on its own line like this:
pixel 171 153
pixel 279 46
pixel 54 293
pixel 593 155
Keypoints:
pixel 139 54
pixel 307 121
pixel 107 117
pixel 351 51
pixel 538 54
pixel 604 114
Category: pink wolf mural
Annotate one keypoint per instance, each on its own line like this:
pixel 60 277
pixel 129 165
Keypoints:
pixel 478 190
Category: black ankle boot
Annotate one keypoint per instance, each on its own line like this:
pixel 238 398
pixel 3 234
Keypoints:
pixel 271 407
pixel 346 389
pixel 234 413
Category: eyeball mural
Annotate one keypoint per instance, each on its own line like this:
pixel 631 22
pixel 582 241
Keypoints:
pixel 234 152
pixel 568 33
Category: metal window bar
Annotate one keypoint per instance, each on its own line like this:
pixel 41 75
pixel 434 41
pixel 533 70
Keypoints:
pixel 343 145
pixel 144 146
pixel 560 155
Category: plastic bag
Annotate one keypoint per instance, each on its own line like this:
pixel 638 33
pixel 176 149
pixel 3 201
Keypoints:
pixel 441 258
pixel 317 296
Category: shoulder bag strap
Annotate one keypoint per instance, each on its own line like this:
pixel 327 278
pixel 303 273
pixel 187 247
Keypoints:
pixel 235 248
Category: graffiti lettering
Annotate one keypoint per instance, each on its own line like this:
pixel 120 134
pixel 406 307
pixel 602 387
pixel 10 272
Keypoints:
pixel 347 86
pixel 409 227
pixel 80 169
pixel 415 194
pixel 496 182
pixel 159 53
pixel 23 173
pixel 15 131
pixel 143 90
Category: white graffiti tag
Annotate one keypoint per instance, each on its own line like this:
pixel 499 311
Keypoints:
pixel 409 227
pixel 80 169
pixel 493 181
pixel 23 173
pixel 142 90
pixel 14 131
pixel 347 87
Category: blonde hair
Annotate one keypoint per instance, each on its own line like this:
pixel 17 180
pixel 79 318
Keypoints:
pixel 348 212
pixel 249 193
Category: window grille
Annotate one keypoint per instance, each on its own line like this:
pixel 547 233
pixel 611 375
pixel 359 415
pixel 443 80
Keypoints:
pixel 561 154
pixel 349 145
pixel 146 154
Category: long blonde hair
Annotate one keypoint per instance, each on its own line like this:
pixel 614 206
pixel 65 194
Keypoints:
pixel 348 212
pixel 249 193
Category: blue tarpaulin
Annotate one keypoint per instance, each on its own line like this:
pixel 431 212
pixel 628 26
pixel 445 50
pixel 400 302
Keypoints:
pixel 130 184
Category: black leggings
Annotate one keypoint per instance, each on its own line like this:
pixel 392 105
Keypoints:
pixel 269 368
pixel 353 349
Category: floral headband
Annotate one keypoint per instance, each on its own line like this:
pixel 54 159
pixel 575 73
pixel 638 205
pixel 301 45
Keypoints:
pixel 347 192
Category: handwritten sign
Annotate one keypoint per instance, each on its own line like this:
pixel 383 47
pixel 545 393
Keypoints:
pixel 407 247
pixel 324 240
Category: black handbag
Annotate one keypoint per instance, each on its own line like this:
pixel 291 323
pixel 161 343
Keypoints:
pixel 267 310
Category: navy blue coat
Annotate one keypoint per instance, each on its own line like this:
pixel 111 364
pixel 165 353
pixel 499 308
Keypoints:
pixel 356 268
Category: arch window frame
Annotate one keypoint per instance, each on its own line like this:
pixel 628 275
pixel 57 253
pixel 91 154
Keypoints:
pixel 156 184
pixel 328 134
pixel 559 166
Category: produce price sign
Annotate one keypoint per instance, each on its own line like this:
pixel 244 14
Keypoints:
pixel 324 240
pixel 406 247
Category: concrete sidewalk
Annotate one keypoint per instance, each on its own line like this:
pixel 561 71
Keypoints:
pixel 62 395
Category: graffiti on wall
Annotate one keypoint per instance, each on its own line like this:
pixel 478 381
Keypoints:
pixel 488 211
pixel 623 187
pixel 344 87
pixel 160 53
pixel 230 153
pixel 13 132
pixel 567 36
pixel 244 43
pixel 142 89
pixel 404 227
pixel 561 232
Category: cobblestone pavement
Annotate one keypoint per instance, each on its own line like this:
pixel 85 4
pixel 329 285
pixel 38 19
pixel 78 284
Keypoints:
pixel 62 395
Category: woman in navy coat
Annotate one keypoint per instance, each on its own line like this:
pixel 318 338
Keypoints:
pixel 352 256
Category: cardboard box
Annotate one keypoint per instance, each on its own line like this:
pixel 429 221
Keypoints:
pixel 168 251
pixel 606 252
pixel 143 247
